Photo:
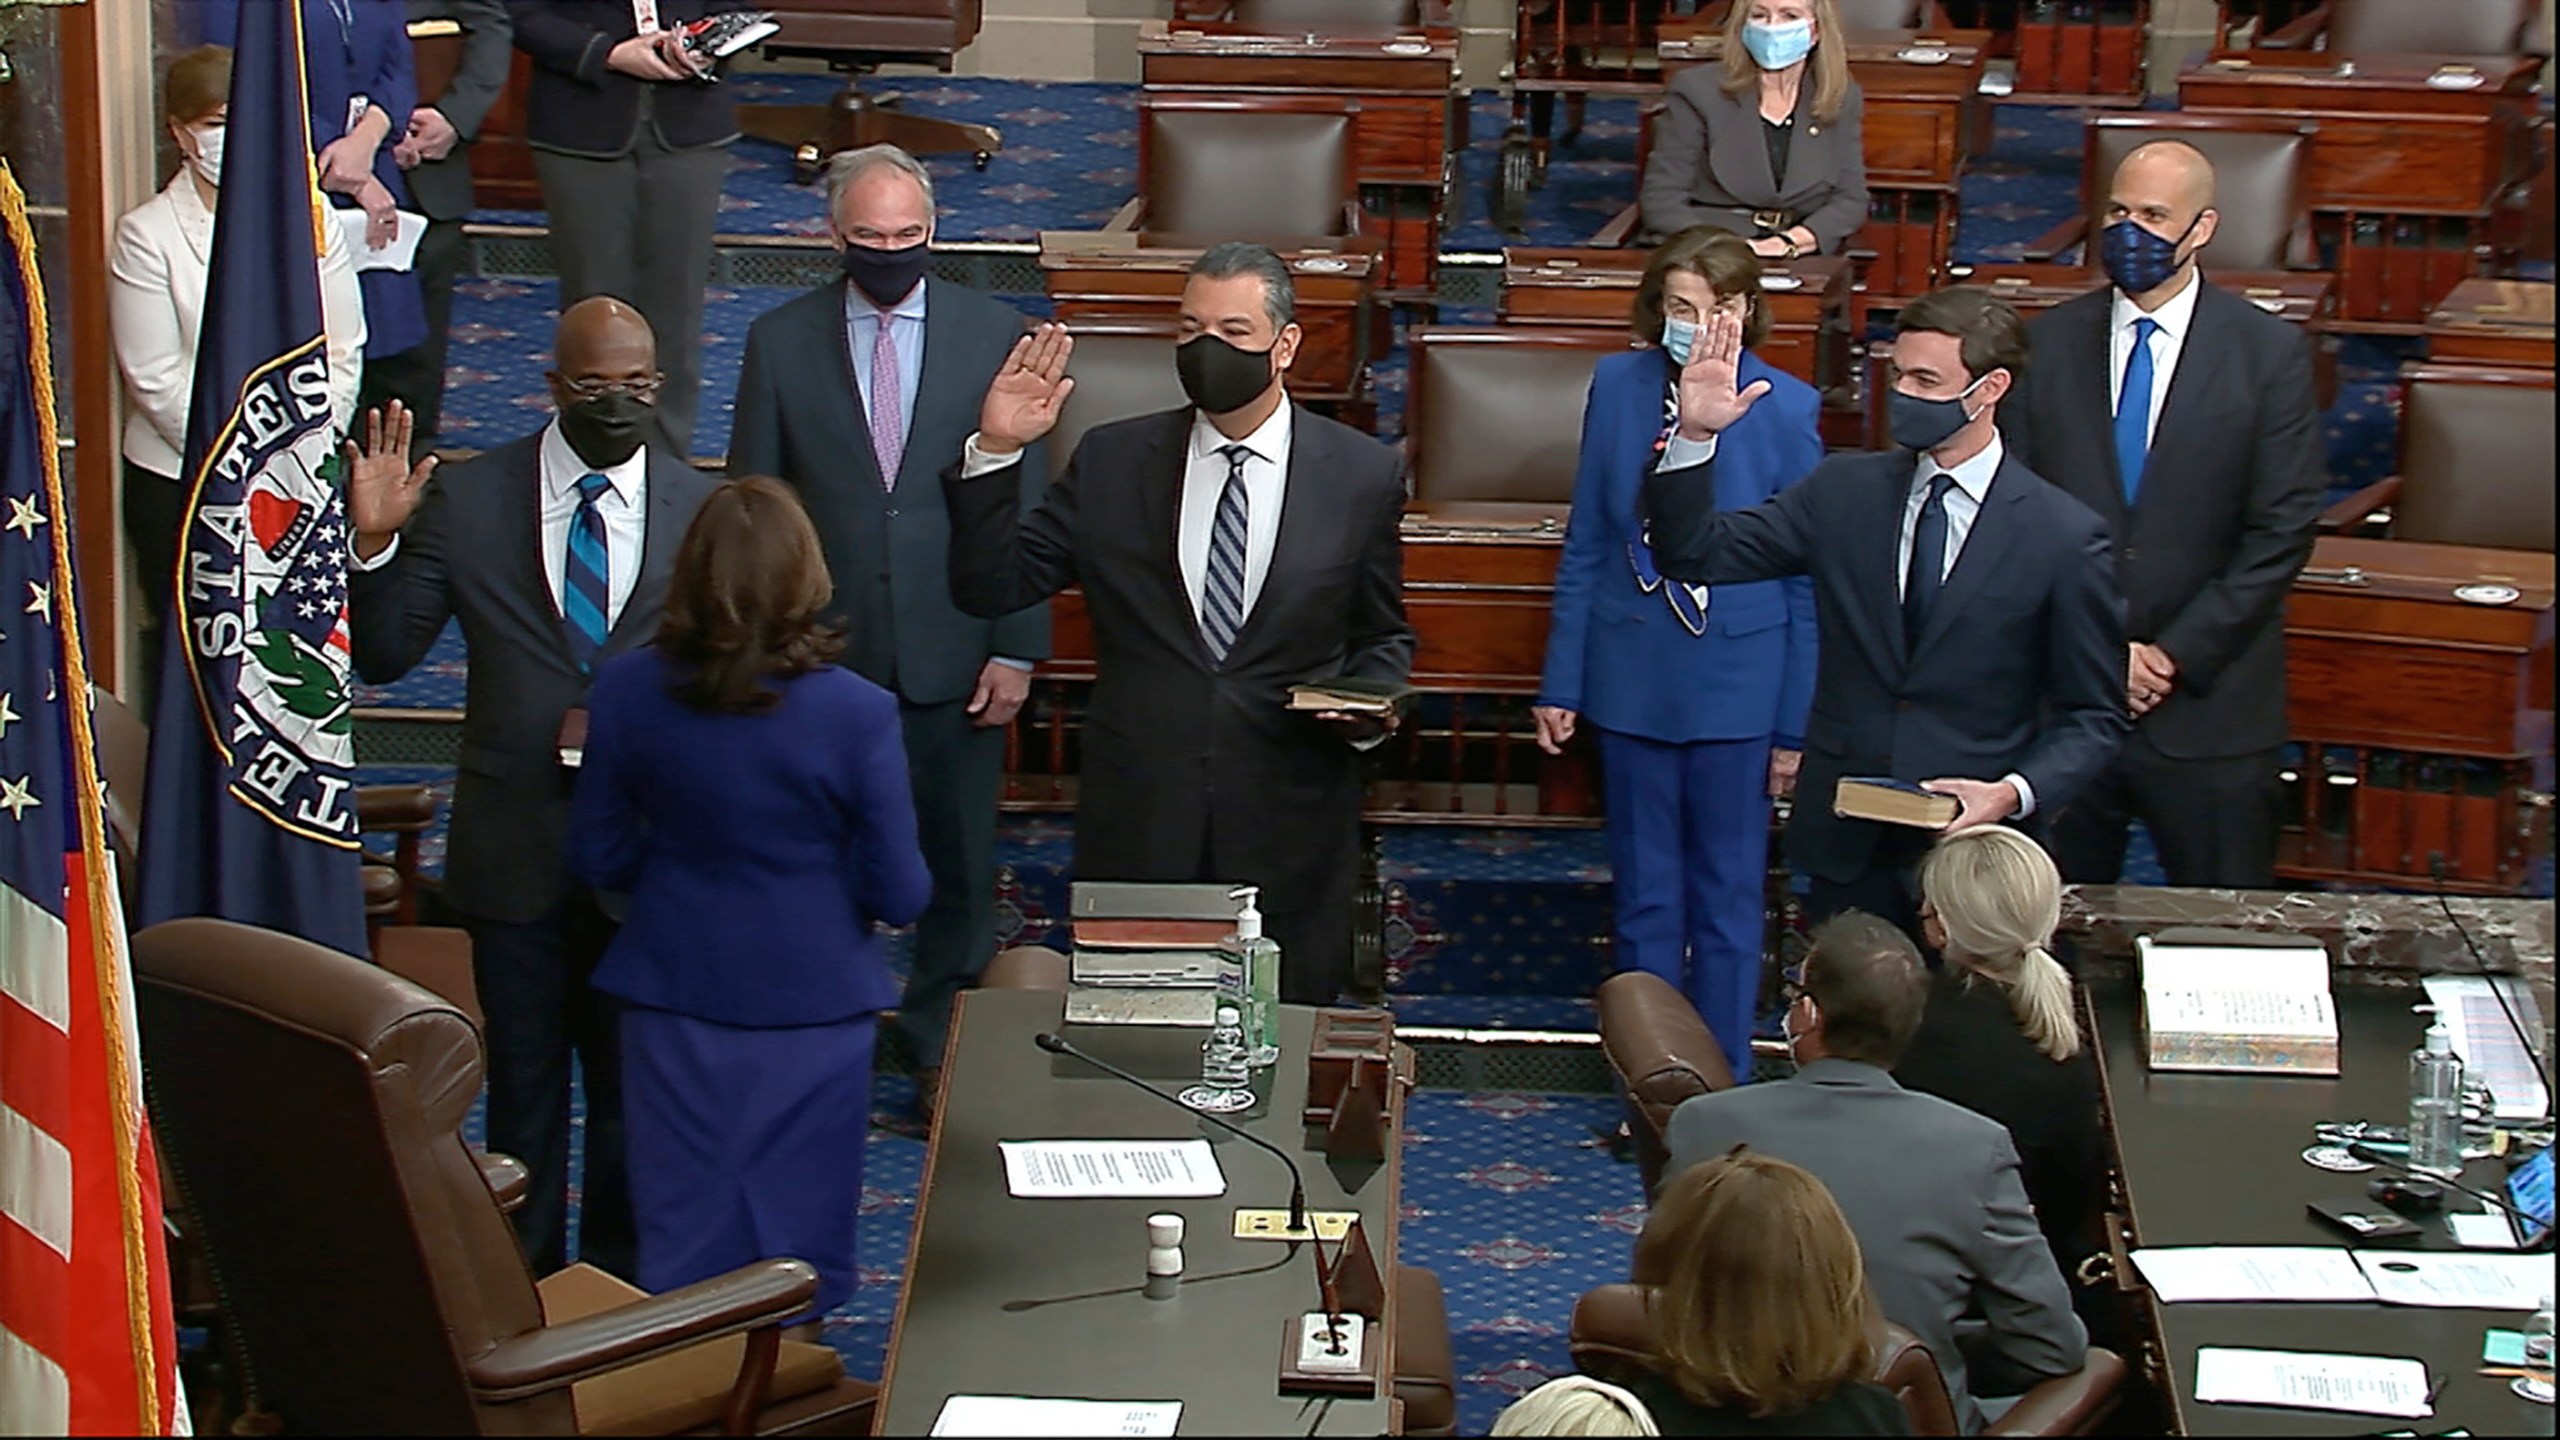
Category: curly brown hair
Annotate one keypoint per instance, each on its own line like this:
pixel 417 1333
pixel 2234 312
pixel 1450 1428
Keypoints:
pixel 743 607
pixel 1714 254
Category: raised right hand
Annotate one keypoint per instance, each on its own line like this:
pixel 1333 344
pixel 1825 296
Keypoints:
pixel 1555 727
pixel 1708 399
pixel 1023 400
pixel 383 489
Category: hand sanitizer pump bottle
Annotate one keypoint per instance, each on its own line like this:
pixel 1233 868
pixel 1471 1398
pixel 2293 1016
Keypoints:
pixel 2435 1101
pixel 1259 956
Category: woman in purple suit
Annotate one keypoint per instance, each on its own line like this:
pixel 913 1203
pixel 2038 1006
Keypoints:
pixel 751 799
pixel 1698 697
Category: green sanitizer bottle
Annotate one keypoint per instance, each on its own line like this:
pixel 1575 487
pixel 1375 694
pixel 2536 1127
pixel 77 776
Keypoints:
pixel 1259 956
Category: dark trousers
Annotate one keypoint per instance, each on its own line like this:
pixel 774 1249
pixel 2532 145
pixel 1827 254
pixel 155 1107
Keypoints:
pixel 1888 888
pixel 1688 835
pixel 532 980
pixel 155 506
pixel 415 376
pixel 2214 820
pixel 639 227
pixel 957 769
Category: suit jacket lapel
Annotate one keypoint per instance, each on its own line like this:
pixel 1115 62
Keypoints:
pixel 838 343
pixel 1160 468
pixel 661 532
pixel 1881 577
pixel 1992 531
pixel 2191 386
pixel 938 375
pixel 525 535
pixel 2095 343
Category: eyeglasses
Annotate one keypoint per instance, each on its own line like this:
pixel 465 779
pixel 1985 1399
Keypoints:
pixel 1791 983
pixel 599 389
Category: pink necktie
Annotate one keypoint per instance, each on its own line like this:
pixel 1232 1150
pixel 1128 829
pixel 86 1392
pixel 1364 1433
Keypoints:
pixel 888 438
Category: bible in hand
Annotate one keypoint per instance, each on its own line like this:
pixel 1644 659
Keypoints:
pixel 1894 802
pixel 1348 695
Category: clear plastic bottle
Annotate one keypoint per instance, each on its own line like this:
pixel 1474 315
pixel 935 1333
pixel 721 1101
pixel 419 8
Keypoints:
pixel 1256 958
pixel 2435 1101
pixel 1226 1068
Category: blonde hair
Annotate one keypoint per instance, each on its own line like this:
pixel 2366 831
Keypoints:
pixel 1828 65
pixel 1999 897
pixel 1760 1299
pixel 1575 1405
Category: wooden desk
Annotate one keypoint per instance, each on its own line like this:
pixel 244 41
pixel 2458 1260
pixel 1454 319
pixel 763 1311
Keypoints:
pixel 1808 300
pixel 2406 173
pixel 1043 1297
pixel 2493 322
pixel 1404 129
pixel 1924 116
pixel 2424 718
pixel 1094 275
pixel 2216 1160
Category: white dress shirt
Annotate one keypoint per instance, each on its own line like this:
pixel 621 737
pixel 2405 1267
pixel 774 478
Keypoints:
pixel 2174 317
pixel 1963 506
pixel 1204 480
pixel 157 271
pixel 624 508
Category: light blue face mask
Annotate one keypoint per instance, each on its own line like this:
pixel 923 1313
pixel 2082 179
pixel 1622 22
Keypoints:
pixel 1679 340
pixel 1775 47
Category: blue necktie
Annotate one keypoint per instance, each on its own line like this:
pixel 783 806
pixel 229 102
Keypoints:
pixel 1928 560
pixel 2133 410
pixel 1222 591
pixel 585 584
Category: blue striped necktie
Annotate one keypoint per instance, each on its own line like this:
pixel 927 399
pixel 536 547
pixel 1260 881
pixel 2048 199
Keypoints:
pixel 585 582
pixel 2133 410
pixel 1222 590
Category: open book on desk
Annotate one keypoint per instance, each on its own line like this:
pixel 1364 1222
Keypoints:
pixel 2220 1002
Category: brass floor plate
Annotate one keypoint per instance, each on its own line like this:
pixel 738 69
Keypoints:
pixel 1274 1224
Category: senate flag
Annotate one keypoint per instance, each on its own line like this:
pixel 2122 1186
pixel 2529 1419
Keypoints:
pixel 251 810
pixel 87 1345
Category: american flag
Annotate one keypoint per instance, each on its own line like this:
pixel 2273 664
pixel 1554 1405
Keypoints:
pixel 86 1341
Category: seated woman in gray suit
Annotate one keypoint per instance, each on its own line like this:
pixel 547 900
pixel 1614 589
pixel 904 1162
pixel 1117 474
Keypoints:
pixel 1765 145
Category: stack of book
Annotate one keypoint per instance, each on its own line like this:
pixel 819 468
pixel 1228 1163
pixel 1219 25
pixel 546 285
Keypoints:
pixel 1147 954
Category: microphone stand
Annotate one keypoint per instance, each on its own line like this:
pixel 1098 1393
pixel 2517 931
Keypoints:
pixel 2495 1204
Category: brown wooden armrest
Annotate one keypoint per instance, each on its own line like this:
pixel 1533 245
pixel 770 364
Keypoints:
pixel 555 1355
pixel 2306 28
pixel 1612 1332
pixel 2042 249
pixel 506 1178
pixel 395 807
pixel 381 887
pixel 2359 507
pixel 1128 215
pixel 1621 227
pixel 2070 1405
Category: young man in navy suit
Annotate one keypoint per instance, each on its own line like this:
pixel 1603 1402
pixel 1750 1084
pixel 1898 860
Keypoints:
pixel 1971 638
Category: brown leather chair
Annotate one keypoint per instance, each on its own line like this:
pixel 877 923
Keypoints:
pixel 1317 16
pixel 1025 967
pixel 1254 168
pixel 2435 27
pixel 1123 368
pixel 2261 166
pixel 1662 1054
pixel 2475 461
pixel 1866 14
pixel 1493 414
pixel 857 37
pixel 311 1108
pixel 1612 1337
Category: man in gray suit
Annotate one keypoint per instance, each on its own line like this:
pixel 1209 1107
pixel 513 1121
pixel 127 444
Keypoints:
pixel 1932 1189
pixel 463 49
pixel 858 394
pixel 553 551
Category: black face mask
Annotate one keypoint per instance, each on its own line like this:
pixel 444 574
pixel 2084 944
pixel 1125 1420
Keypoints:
pixel 1918 424
pixel 606 430
pixel 1217 376
pixel 886 275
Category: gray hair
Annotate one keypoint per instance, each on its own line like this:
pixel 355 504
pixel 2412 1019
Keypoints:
pixel 1575 1405
pixel 1230 258
pixel 851 165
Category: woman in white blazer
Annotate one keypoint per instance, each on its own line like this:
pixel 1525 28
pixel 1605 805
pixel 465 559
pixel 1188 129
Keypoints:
pixel 164 247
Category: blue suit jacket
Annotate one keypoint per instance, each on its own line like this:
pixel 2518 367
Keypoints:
pixel 1620 655
pixel 757 850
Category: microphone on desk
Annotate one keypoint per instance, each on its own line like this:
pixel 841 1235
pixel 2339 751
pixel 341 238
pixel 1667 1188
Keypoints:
pixel 1057 1044
pixel 2495 1204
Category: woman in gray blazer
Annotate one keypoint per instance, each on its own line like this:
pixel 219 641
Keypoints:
pixel 1766 145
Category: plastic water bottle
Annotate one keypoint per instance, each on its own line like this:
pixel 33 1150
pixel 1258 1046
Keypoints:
pixel 1226 1067
pixel 2435 1101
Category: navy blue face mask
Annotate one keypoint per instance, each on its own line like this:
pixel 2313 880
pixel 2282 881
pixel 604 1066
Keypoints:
pixel 1922 424
pixel 2137 260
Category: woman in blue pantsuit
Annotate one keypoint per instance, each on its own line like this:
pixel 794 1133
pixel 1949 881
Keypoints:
pixel 1698 696
pixel 751 799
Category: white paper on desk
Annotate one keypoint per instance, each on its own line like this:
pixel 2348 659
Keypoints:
pixel 2300 1380
pixel 1071 1169
pixel 2485 1230
pixel 400 254
pixel 1025 1415
pixel 2487 1043
pixel 2458 1282
pixel 2253 1273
